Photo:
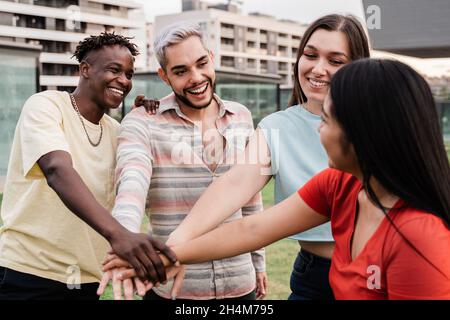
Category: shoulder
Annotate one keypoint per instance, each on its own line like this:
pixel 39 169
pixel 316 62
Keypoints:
pixel 337 179
pixel 49 98
pixel 279 118
pixel 422 242
pixel 139 115
pixel 46 106
pixel 423 228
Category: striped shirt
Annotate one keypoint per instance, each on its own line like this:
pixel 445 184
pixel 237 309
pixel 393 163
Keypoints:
pixel 160 168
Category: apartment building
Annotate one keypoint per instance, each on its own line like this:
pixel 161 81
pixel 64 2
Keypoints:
pixel 58 26
pixel 255 43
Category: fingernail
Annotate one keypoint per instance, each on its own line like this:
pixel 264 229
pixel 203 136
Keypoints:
pixel 174 297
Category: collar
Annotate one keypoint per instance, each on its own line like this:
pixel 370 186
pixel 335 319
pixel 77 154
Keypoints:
pixel 169 103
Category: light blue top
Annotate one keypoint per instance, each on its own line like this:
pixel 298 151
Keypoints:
pixel 296 156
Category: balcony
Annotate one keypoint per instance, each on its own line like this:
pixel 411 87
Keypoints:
pixel 49 12
pixel 51 35
pixel 121 3
pixel 286 41
pixel 227 33
pixel 252 50
pixel 263 37
pixel 61 81
pixel 227 47
pixel 57 58
pixel 251 36
pixel 282 53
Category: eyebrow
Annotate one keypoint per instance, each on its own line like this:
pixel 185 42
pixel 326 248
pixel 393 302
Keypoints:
pixel 335 53
pixel 182 66
pixel 114 64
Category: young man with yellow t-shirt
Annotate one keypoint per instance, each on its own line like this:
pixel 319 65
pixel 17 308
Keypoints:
pixel 59 188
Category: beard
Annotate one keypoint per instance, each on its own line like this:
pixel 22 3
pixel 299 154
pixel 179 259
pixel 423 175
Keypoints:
pixel 183 99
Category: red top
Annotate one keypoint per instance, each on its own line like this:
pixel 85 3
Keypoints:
pixel 387 267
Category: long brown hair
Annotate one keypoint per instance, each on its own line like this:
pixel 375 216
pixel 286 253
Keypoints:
pixel 356 37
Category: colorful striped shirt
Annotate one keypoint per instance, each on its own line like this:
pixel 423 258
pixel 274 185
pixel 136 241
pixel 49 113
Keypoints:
pixel 160 168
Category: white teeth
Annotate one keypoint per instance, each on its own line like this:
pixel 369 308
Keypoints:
pixel 199 90
pixel 116 91
pixel 317 83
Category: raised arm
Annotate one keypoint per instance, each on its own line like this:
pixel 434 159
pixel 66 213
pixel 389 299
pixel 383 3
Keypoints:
pixel 291 216
pixel 229 193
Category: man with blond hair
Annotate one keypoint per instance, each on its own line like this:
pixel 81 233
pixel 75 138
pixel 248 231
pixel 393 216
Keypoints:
pixel 168 159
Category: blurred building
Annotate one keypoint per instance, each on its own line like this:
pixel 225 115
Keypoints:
pixel 252 44
pixel 58 26
pixel 410 27
pixel 19 67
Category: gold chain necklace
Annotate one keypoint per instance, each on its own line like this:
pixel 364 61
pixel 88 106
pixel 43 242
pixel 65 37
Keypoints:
pixel 74 104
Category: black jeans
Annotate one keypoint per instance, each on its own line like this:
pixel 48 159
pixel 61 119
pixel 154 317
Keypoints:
pixel 16 285
pixel 309 278
pixel 151 295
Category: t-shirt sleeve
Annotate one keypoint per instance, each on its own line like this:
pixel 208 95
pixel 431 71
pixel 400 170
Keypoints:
pixel 411 275
pixel 41 132
pixel 317 192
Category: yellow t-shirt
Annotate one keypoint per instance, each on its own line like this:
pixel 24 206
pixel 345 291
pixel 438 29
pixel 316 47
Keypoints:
pixel 40 236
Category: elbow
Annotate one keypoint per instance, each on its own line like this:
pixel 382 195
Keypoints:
pixel 53 173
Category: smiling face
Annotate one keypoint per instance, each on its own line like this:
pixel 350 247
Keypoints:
pixel 110 72
pixel 190 72
pixel 324 54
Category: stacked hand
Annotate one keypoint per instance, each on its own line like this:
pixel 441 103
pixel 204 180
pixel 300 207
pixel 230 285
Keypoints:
pixel 123 275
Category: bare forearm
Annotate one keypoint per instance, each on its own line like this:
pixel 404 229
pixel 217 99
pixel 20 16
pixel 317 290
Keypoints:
pixel 221 199
pixel 226 241
pixel 76 196
pixel 251 233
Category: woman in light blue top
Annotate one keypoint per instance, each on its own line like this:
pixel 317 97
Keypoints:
pixel 286 146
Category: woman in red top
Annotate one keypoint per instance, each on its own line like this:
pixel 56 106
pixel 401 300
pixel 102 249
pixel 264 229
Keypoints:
pixel 387 191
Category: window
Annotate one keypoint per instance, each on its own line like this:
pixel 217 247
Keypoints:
pixel 227 62
pixel 109 7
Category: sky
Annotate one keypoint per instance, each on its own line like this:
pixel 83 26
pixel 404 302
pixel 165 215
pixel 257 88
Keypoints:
pixel 308 10
pixel 305 11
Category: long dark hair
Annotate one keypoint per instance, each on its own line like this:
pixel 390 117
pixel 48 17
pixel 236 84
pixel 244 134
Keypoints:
pixel 388 113
pixel 357 43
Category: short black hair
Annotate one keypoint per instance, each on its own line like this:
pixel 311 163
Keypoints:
pixel 94 43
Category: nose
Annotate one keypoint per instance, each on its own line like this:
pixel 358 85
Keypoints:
pixel 196 76
pixel 320 67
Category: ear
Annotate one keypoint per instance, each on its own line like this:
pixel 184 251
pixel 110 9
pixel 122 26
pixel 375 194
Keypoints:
pixel 84 68
pixel 163 75
pixel 211 55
